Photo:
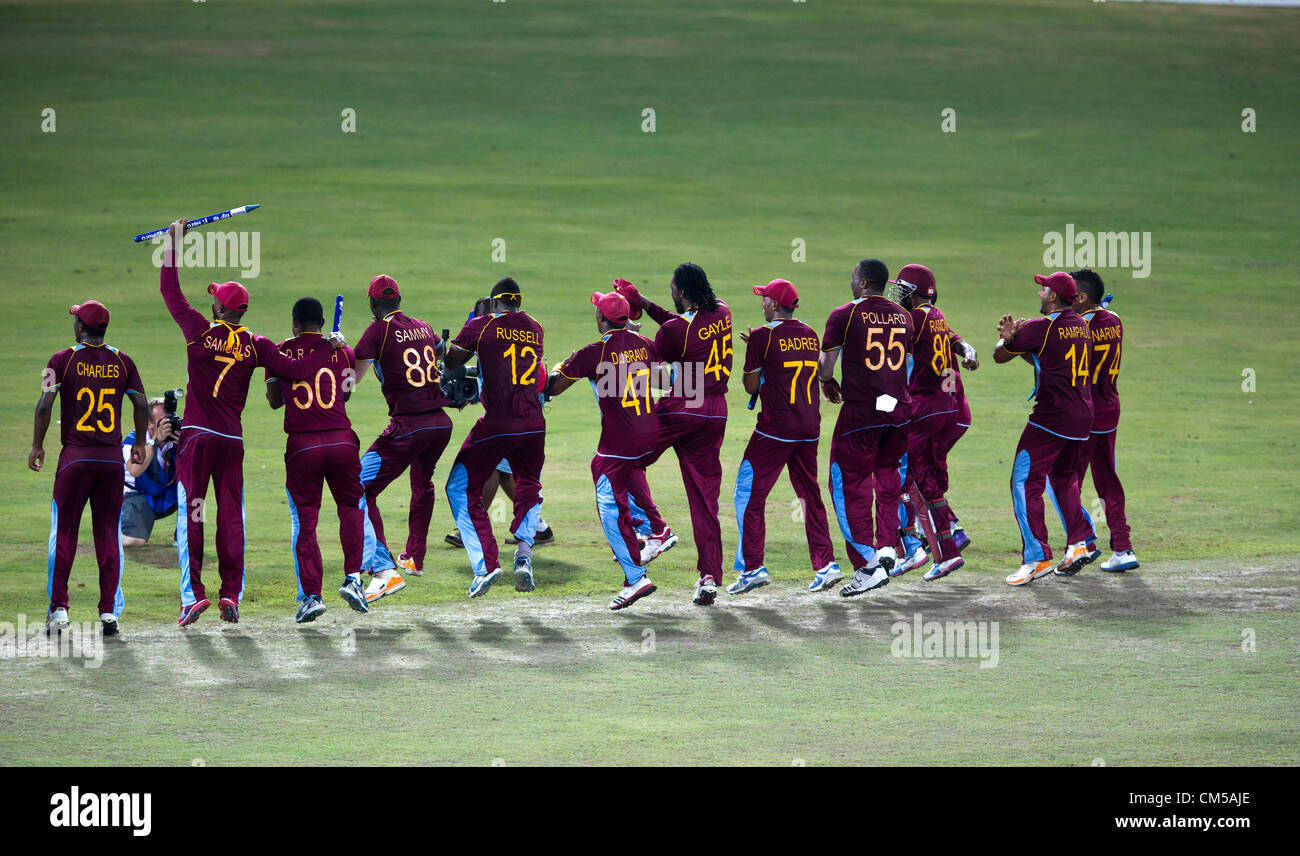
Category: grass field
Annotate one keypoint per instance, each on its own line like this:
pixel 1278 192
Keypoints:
pixel 775 121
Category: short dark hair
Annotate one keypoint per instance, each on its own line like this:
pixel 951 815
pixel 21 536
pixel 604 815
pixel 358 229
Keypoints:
pixel 384 305
pixel 694 283
pixel 308 312
pixel 873 272
pixel 1090 282
pixel 507 291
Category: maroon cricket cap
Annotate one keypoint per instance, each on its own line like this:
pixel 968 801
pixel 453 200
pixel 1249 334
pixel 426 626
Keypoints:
pixel 1060 282
pixel 613 306
pixel 384 286
pixel 920 277
pixel 92 313
pixel 780 290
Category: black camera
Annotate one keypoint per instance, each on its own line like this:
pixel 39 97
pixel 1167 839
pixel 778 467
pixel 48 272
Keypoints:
pixel 460 385
pixel 170 400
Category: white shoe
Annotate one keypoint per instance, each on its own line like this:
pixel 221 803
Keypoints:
pixel 942 569
pixel 658 544
pixel 56 620
pixel 632 593
pixel 917 559
pixel 706 591
pixel 384 583
pixel 826 577
pixel 1030 572
pixel 1120 562
pixel 864 580
pixel 887 557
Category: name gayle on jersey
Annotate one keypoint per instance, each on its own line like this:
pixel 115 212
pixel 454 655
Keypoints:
pixel 717 328
pixel 86 370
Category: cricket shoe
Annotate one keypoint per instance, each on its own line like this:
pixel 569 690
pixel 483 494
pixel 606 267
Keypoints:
pixel 918 558
pixel 56 620
pixel 191 613
pixel 706 591
pixel 454 539
pixel 483 582
pixel 960 540
pixel 108 621
pixel 310 609
pixel 887 557
pixel 524 574
pixel 354 595
pixel 943 569
pixel 1119 562
pixel 1030 572
pixel 632 592
pixel 826 577
pixel 407 564
pixel 541 539
pixel 749 580
pixel 658 544
pixel 1076 556
pixel 229 610
pixel 384 583
pixel 866 579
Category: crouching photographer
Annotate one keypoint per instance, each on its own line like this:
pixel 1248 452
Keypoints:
pixel 150 491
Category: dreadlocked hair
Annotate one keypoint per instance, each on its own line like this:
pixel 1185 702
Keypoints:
pixel 692 282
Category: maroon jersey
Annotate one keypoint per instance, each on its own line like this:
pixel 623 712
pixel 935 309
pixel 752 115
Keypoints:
pixel 91 380
pixel 1058 345
pixel 619 366
pixel 933 381
pixel 404 352
pixel 316 404
pixel 786 351
pixel 875 336
pixel 699 343
pixel 512 373
pixel 221 361
pixel 1107 339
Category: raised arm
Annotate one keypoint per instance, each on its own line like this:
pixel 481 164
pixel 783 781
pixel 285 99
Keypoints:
pixel 190 320
pixel 1006 331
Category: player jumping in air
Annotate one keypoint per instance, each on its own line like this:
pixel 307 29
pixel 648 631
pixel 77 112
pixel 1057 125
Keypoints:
pixel 322 448
pixel 875 335
pixel 622 367
pixel 91 379
pixel 222 355
pixel 1099 452
pixel 508 343
pixel 1057 345
pixel 404 353
pixel 933 429
pixel 781 368
pixel 696 341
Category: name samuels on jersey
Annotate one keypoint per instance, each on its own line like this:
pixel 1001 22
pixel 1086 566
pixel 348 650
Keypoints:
pixel 134 811
pixel 217 341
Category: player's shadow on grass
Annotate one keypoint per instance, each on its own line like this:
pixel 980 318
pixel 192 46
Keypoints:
pixel 239 651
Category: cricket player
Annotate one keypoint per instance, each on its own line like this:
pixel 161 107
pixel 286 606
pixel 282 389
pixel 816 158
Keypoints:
pixel 91 380
pixel 781 368
pixel 509 345
pixel 875 335
pixel 932 384
pixel 222 355
pixel 1057 345
pixel 404 352
pixel 1107 333
pixel 622 367
pixel 321 448
pixel 696 341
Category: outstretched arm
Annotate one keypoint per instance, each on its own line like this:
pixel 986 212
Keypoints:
pixel 969 359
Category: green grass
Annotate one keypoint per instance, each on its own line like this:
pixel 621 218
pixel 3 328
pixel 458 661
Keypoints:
pixel 775 121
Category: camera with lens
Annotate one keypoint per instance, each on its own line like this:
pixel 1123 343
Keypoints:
pixel 170 399
pixel 460 384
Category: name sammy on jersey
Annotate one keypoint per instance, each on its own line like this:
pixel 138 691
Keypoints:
pixel 1098 250
pixel 72 809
